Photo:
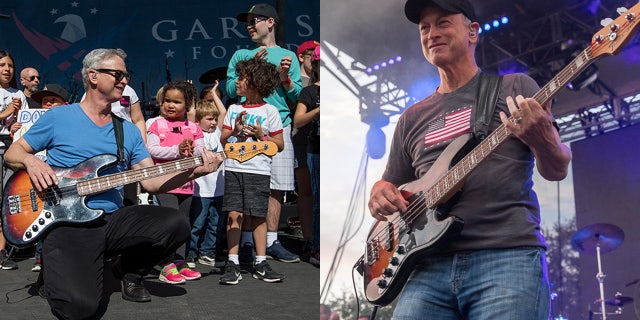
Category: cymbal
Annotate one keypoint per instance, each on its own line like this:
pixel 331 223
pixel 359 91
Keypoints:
pixel 618 301
pixel 214 74
pixel 608 236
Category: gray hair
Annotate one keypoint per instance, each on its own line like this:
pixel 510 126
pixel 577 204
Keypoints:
pixel 94 58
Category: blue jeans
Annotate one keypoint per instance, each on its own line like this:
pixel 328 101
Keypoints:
pixel 313 161
pixel 486 284
pixel 205 229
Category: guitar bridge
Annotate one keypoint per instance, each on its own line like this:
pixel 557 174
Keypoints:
pixel 14 204
pixel 372 251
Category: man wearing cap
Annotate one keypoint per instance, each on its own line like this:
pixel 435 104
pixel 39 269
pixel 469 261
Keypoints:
pixel 260 21
pixel 495 268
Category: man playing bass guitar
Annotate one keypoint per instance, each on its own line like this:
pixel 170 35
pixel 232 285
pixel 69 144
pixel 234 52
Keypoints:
pixel 495 268
pixel 73 255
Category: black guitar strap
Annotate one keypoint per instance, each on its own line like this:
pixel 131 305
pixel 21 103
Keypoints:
pixel 118 129
pixel 487 96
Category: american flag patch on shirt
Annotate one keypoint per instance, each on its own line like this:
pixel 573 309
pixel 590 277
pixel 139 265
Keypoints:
pixel 447 127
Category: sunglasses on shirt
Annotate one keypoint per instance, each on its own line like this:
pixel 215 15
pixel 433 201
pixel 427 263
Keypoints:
pixel 119 75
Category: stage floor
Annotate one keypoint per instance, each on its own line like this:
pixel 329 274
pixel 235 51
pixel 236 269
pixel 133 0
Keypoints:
pixel 295 298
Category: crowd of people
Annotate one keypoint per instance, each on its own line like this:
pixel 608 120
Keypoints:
pixel 214 208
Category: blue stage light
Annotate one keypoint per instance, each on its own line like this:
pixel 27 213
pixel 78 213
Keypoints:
pixel 391 61
pixel 369 70
pixel 399 59
pixel 504 20
pixel 383 65
pixel 495 23
pixel 376 67
pixel 487 27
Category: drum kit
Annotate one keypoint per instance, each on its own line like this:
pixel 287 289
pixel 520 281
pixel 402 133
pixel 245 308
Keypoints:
pixel 599 239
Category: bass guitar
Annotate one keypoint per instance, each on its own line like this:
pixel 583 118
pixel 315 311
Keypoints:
pixel 394 246
pixel 27 214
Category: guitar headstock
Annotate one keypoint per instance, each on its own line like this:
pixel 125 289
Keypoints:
pixel 243 151
pixel 616 33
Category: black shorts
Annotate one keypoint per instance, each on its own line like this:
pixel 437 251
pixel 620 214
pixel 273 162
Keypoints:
pixel 247 193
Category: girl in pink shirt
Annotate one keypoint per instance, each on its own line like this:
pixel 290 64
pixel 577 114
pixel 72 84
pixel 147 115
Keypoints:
pixel 172 137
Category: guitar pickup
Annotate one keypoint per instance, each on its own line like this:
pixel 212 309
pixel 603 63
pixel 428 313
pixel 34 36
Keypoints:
pixel 389 242
pixel 34 199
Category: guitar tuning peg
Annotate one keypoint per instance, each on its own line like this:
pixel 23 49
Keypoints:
pixel 621 10
pixel 605 22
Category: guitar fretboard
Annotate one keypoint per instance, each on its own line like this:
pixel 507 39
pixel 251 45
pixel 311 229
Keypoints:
pixel 100 184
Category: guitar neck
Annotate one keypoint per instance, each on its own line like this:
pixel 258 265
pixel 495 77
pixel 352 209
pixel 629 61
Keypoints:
pixel 439 192
pixel 101 184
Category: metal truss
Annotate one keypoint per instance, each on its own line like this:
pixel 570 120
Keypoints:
pixel 380 98
pixel 616 113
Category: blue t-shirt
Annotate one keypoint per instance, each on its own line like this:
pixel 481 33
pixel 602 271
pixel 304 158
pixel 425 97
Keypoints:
pixel 279 97
pixel 70 137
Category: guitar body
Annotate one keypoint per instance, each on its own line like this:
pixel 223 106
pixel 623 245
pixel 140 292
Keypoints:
pixel 394 246
pixel 28 215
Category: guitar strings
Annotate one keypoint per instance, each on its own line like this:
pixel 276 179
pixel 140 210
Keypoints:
pixel 52 194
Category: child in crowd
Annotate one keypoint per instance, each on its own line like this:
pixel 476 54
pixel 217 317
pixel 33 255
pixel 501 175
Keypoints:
pixel 206 207
pixel 246 195
pixel 308 112
pixel 172 137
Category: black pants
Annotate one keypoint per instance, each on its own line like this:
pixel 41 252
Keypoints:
pixel 73 256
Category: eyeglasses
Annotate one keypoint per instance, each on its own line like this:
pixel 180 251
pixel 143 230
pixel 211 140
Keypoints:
pixel 116 74
pixel 32 78
pixel 254 21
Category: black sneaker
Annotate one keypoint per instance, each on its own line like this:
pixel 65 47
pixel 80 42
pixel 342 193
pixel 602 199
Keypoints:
pixel 262 271
pixel 231 274
pixel 5 261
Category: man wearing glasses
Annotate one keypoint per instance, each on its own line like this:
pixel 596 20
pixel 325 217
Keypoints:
pixel 30 80
pixel 261 21
pixel 74 255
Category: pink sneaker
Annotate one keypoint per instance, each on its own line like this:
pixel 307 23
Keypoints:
pixel 186 272
pixel 170 274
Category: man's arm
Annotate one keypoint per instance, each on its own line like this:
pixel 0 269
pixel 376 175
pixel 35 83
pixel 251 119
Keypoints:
pixel 138 119
pixel 20 156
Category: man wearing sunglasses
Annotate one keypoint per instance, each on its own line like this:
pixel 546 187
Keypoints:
pixel 30 80
pixel 137 237
pixel 261 21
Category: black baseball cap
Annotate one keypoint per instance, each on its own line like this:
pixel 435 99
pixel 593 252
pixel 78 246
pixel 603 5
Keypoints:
pixel 260 9
pixel 413 8
pixel 48 90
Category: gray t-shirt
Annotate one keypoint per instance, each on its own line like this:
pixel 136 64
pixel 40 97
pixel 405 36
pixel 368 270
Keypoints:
pixel 497 203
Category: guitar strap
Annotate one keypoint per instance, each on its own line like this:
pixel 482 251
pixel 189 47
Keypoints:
pixel 487 96
pixel 119 131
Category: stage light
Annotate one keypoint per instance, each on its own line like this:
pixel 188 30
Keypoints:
pixel 504 20
pixel 487 27
pixel 376 67
pixel 369 70
pixel 496 23
pixel 399 59
pixel 391 61
pixel 383 65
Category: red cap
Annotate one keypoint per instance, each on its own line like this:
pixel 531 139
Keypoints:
pixel 311 44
